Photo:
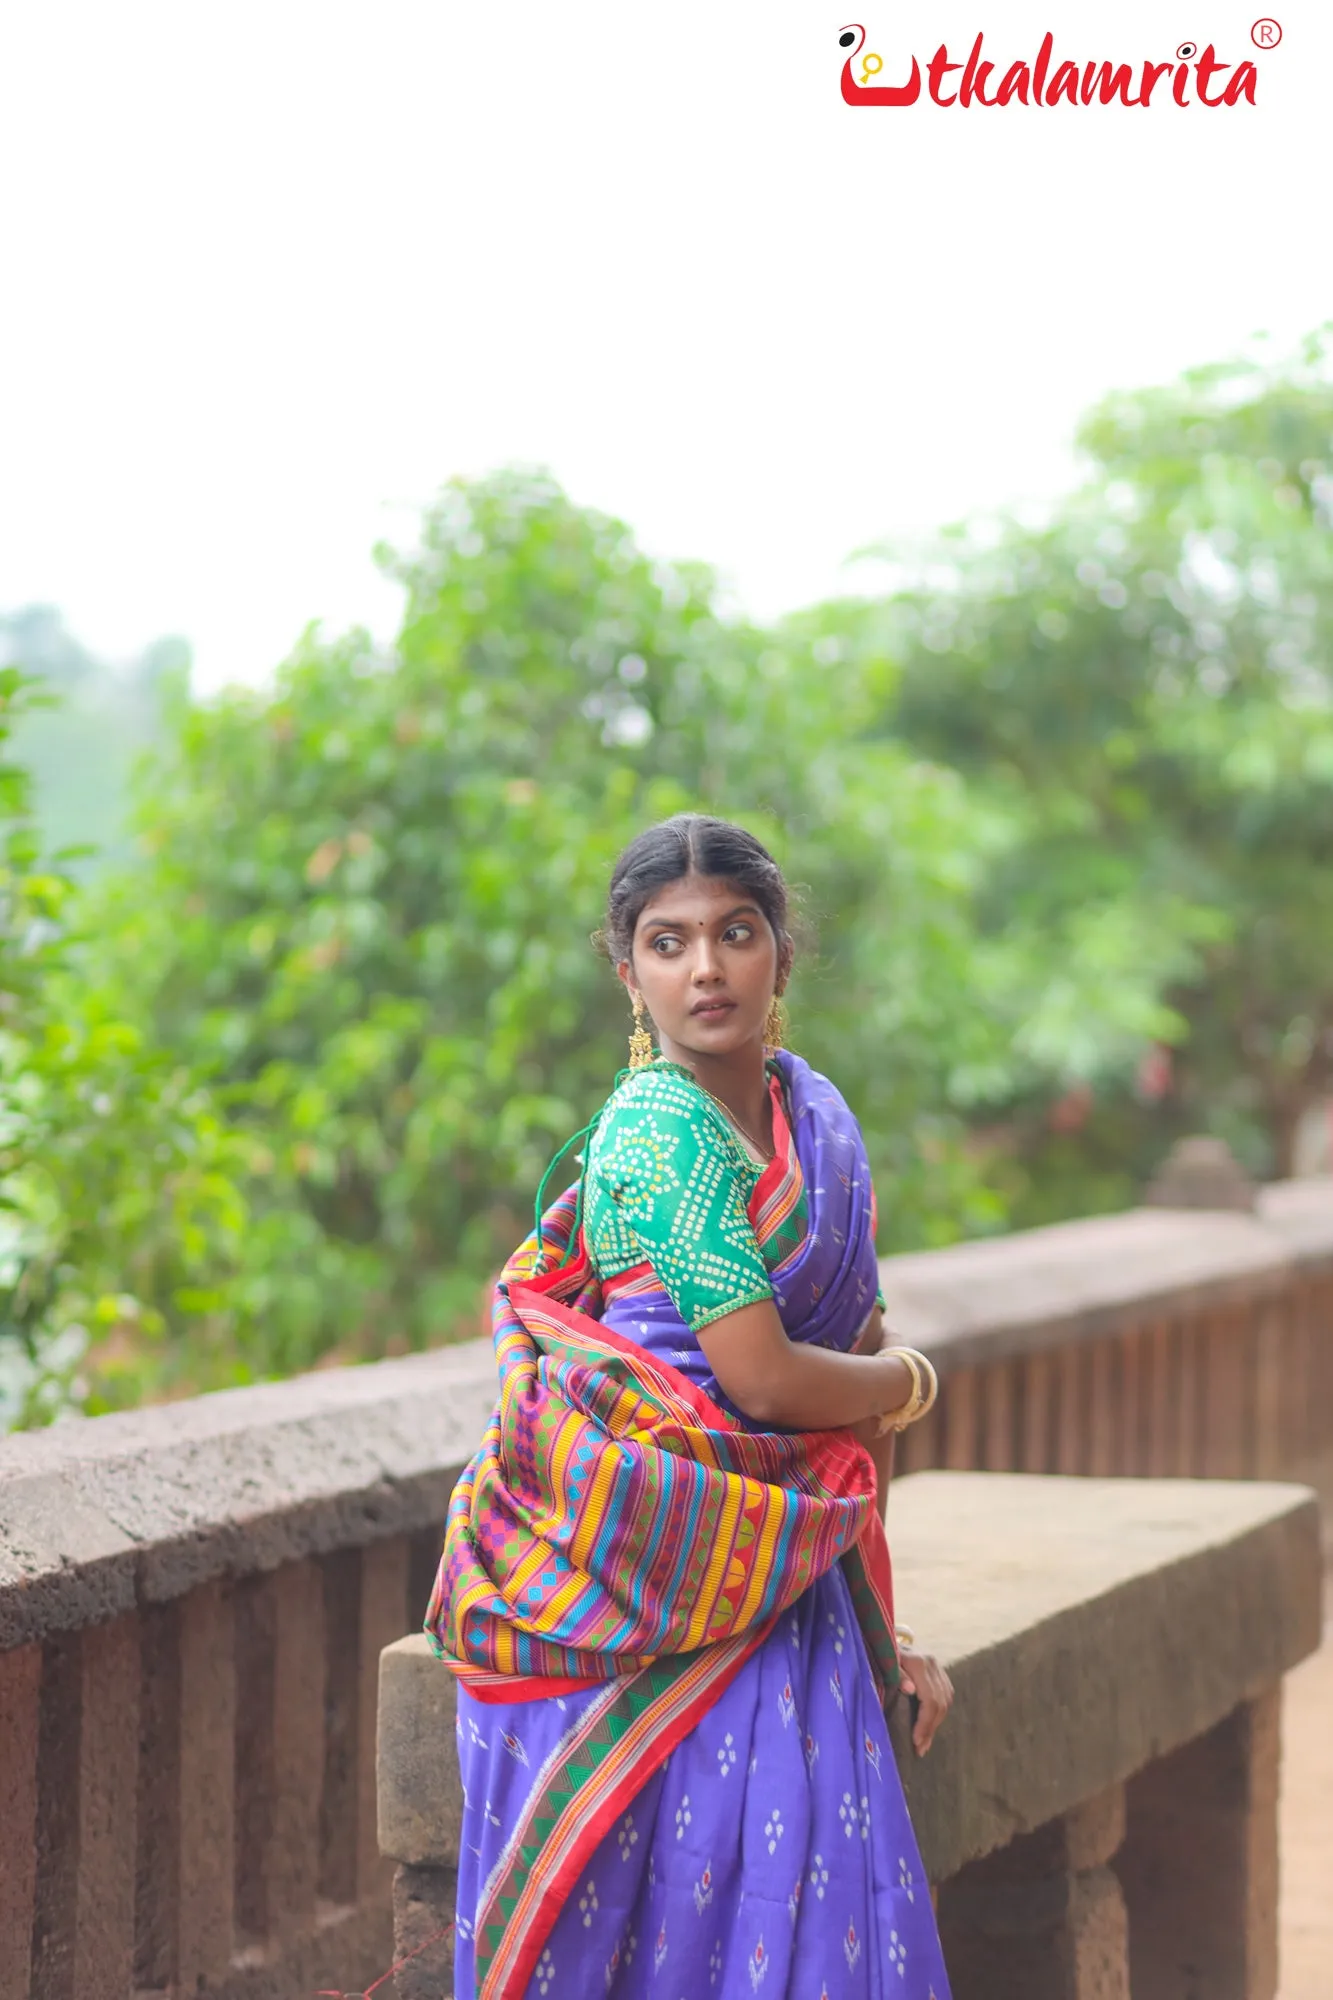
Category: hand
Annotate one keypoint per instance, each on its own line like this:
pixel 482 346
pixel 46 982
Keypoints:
pixel 924 1677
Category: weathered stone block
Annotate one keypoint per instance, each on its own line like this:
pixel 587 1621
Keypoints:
pixel 20 1696
pixel 280 1694
pixel 1200 1863
pixel 187 1754
pixel 1203 1173
pixel 420 1793
pixel 83 1930
pixel 423 1919
pixel 1043 1918
pixel 1036 1592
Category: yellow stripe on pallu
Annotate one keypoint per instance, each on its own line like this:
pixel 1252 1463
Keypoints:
pixel 531 1563
pixel 715 1574
pixel 553 1610
pixel 593 1511
pixel 477 1594
pixel 761 1562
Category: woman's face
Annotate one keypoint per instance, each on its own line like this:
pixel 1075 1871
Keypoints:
pixel 707 964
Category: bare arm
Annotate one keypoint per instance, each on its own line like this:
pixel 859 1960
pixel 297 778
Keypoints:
pixel 779 1381
pixel 875 1335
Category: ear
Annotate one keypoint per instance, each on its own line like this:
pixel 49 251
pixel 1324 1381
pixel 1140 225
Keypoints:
pixel 625 974
pixel 786 958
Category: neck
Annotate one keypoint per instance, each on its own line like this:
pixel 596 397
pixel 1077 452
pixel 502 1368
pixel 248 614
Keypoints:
pixel 738 1079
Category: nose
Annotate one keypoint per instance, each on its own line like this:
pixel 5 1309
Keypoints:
pixel 707 967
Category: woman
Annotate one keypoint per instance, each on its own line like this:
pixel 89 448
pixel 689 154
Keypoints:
pixel 664 1587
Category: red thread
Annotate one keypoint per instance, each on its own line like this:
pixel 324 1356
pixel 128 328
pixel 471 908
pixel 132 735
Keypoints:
pixel 330 1993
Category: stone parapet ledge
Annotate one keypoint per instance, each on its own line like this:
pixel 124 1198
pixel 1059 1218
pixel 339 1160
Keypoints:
pixel 96 1518
pixel 1004 1297
pixel 1109 1769
pixel 1090 1626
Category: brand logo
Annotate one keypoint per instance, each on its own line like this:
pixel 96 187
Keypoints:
pixel 1193 76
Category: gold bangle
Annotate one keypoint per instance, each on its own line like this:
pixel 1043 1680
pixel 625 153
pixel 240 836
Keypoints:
pixel 925 1388
pixel 903 1635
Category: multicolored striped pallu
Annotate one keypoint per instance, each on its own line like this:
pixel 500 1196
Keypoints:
pixel 615 1514
pixel 619 1530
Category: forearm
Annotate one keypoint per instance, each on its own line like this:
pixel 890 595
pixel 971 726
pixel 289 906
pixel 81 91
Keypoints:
pixel 794 1386
pixel 874 1335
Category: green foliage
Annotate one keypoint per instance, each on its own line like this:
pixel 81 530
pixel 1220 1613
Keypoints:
pixel 1144 684
pixel 119 1203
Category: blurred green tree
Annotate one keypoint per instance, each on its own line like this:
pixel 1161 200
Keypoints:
pixel 1143 685
pixel 119 1205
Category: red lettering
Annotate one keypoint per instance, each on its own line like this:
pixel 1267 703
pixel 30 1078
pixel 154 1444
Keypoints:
pixel 1042 65
pixel 1115 84
pixel 1092 82
pixel 1064 84
pixel 974 79
pixel 1206 69
pixel 1241 85
pixel 1152 76
pixel 937 69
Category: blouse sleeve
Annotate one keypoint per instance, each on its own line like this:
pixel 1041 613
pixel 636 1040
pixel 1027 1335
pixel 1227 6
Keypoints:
pixel 678 1196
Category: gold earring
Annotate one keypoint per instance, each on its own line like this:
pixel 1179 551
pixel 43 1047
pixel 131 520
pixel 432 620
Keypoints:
pixel 775 1025
pixel 640 1042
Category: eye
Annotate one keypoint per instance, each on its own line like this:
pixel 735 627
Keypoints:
pixel 739 933
pixel 665 946
pixel 846 38
pixel 1186 50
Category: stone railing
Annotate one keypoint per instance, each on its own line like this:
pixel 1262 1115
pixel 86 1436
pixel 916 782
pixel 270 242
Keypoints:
pixel 193 1601
pixel 1100 1813
pixel 1162 1341
pixel 193 1598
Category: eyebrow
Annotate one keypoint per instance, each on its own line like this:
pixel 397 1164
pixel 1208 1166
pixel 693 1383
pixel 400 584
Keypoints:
pixel 679 923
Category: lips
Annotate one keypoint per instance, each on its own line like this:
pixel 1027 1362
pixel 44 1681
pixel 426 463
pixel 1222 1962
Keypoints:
pixel 708 1010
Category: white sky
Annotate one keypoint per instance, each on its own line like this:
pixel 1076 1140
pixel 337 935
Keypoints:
pixel 274 270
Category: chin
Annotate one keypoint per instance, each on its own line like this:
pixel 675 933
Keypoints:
pixel 716 1041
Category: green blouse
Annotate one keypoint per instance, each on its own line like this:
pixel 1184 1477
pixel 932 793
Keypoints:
pixel 667 1183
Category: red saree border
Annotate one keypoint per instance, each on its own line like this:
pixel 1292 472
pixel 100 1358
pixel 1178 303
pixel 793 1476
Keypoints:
pixel 526 1894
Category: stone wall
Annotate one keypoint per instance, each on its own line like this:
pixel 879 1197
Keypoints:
pixel 1178 1342
pixel 193 1598
pixel 193 1601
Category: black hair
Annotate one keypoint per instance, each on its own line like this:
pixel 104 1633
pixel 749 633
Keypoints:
pixel 691 844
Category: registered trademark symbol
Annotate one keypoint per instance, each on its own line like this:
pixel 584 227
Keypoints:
pixel 1266 33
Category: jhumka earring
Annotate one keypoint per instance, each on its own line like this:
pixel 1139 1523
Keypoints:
pixel 640 1042
pixel 775 1025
